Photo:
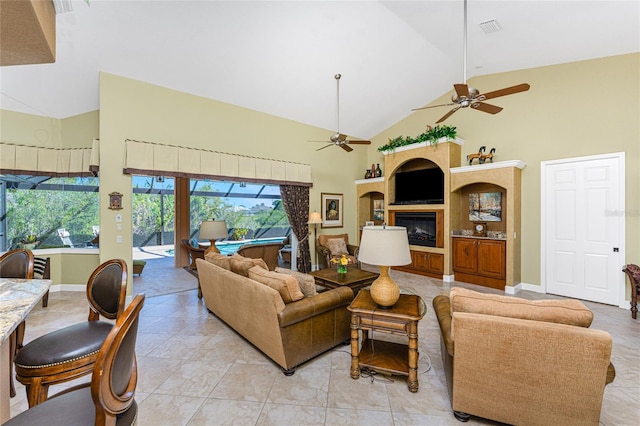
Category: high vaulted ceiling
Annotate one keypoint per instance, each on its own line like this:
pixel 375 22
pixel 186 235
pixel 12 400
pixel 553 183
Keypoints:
pixel 280 57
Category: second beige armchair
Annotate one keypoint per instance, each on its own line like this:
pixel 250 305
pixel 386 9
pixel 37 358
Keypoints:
pixel 329 246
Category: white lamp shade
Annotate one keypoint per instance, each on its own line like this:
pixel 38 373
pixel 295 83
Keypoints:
pixel 213 230
pixel 384 245
pixel 315 218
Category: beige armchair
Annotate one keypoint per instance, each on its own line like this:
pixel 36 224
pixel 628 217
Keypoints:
pixel 194 253
pixel 518 361
pixel 328 246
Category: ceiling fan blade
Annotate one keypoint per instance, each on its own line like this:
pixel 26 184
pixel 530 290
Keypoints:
pixel 491 109
pixel 326 146
pixel 447 115
pixel 461 90
pixel 346 147
pixel 432 106
pixel 507 91
pixel 359 142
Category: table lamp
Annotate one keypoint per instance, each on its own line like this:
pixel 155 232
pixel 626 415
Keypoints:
pixel 314 219
pixel 213 230
pixel 384 246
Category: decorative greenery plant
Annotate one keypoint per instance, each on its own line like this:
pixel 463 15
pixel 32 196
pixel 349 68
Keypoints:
pixel 431 135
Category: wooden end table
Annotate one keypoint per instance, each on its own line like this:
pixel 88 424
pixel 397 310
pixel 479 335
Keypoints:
pixel 401 319
pixel 356 279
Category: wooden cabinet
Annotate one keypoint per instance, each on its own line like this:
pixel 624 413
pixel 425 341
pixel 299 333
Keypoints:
pixel 425 263
pixel 480 261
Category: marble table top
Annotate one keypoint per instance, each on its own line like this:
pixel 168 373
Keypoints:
pixel 17 298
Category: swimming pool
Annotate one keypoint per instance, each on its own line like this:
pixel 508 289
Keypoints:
pixel 230 247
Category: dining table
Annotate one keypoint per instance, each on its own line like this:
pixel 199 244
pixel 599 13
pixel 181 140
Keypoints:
pixel 17 299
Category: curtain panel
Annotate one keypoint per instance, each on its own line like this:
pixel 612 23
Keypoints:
pixel 295 200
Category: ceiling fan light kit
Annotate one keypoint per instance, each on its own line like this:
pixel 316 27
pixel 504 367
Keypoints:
pixel 465 96
pixel 338 138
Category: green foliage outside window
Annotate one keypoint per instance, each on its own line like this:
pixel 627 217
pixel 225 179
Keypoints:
pixel 37 212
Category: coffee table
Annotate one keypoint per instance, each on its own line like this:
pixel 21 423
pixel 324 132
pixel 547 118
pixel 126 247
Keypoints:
pixel 354 278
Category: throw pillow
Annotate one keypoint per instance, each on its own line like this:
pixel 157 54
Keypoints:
pixel 570 312
pixel 286 285
pixel 337 246
pixel 241 265
pixel 256 261
pixel 218 259
pixel 306 282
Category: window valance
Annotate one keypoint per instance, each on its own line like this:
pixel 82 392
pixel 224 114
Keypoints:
pixel 155 159
pixel 38 161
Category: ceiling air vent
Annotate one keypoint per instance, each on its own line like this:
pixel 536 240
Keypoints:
pixel 490 26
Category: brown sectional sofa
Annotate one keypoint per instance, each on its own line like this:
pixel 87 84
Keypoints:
pixel 288 333
pixel 522 362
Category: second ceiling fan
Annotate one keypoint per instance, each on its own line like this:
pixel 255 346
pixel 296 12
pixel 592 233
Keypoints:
pixel 466 96
pixel 338 138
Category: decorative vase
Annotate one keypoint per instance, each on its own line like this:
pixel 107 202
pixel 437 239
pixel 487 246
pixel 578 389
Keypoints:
pixel 367 175
pixel 373 170
pixel 378 171
pixel 342 269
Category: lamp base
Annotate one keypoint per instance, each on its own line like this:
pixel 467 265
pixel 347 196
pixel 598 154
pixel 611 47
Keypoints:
pixel 384 291
pixel 212 247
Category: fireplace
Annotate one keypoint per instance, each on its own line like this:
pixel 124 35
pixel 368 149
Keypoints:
pixel 421 227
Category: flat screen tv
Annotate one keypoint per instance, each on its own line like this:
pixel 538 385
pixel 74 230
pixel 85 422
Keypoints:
pixel 423 186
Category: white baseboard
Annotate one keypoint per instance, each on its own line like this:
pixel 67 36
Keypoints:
pixel 532 287
pixel 68 287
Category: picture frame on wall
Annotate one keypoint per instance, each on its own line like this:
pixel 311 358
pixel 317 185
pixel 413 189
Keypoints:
pixel 332 210
pixel 485 207
pixel 378 210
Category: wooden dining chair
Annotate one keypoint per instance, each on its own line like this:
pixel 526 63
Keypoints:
pixel 633 272
pixel 42 270
pixel 16 263
pixel 109 398
pixel 71 352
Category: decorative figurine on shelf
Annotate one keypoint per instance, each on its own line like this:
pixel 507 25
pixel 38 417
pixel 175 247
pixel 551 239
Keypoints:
pixel 489 157
pixel 481 156
pixel 373 170
pixel 378 171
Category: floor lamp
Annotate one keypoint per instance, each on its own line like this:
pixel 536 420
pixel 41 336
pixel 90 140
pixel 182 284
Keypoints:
pixel 314 219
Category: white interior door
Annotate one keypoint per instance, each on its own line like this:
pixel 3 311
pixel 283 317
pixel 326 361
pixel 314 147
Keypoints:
pixel 583 227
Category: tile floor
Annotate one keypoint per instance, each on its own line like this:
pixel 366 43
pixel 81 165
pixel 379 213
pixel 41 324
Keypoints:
pixel 194 370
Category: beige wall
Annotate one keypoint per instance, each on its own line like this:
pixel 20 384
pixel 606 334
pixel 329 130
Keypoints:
pixel 31 130
pixel 572 110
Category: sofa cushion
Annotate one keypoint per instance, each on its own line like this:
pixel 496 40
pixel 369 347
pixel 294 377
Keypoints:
pixel 241 265
pixel 285 284
pixel 570 311
pixel 218 259
pixel 306 282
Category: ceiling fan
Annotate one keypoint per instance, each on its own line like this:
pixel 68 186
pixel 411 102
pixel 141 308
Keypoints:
pixel 466 96
pixel 338 138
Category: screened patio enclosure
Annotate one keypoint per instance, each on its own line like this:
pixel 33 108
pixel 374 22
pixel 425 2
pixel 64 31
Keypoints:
pixel 43 209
